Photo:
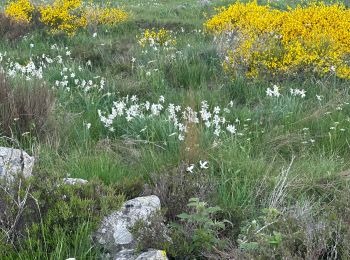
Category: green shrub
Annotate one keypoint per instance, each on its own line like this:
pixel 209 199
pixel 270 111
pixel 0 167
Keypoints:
pixel 198 232
pixel 38 213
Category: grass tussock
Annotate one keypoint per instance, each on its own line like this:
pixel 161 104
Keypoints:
pixel 24 108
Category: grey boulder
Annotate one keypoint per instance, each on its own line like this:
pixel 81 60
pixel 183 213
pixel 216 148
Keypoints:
pixel 114 235
pixel 15 161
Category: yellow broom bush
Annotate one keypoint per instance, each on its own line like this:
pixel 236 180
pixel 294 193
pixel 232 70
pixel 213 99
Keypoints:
pixel 263 41
pixel 20 11
pixel 107 16
pixel 65 16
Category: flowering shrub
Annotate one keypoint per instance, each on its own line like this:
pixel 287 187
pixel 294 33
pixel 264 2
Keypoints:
pixel 156 39
pixel 63 16
pixel 106 16
pixel 260 40
pixel 20 11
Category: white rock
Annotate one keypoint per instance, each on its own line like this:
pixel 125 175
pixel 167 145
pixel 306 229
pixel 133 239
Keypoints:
pixel 74 181
pixel 151 254
pixel 15 161
pixel 114 234
pixel 126 254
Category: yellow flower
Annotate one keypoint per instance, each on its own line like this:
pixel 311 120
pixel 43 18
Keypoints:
pixel 63 16
pixel 107 16
pixel 159 38
pixel 20 10
pixel 269 41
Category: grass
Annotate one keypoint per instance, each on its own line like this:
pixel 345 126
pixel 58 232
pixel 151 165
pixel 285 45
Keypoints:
pixel 245 168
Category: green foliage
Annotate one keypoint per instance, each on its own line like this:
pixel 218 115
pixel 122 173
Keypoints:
pixel 53 216
pixel 152 233
pixel 198 231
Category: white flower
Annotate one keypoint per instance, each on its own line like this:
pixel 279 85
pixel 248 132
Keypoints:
pixel 298 92
pixel 203 164
pixel 231 129
pixel 190 168
pixel 31 45
pixel 273 92
pixel 94 35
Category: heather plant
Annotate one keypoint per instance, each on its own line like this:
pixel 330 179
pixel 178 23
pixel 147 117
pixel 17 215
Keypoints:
pixel 12 30
pixel 38 214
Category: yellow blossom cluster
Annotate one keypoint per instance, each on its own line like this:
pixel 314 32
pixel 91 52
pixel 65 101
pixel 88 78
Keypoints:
pixel 106 16
pixel 65 15
pixel 21 11
pixel 158 38
pixel 264 41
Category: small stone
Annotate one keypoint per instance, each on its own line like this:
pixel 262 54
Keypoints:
pixel 74 181
pixel 152 255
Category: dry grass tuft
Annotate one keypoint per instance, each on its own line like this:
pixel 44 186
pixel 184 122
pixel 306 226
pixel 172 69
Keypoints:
pixel 24 108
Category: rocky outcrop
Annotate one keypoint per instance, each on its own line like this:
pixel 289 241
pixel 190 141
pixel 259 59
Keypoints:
pixel 15 161
pixel 114 235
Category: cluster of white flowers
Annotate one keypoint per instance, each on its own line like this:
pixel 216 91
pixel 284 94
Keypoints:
pixel 29 70
pixel 34 68
pixel 37 65
pixel 70 80
pixel 129 108
pixel 203 165
pixel 274 92
pixel 298 92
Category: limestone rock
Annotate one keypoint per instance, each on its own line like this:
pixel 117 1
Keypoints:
pixel 74 181
pixel 15 161
pixel 151 254
pixel 114 235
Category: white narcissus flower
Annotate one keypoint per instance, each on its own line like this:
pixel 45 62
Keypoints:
pixel 231 129
pixel 203 164
pixel 190 168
